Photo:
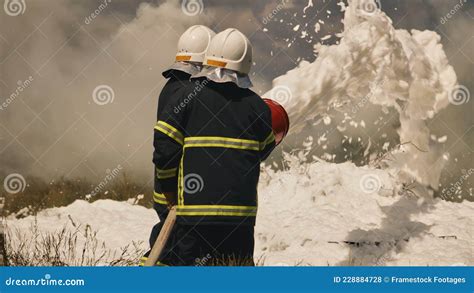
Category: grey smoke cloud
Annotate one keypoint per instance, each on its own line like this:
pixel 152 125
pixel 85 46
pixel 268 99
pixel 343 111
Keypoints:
pixel 115 49
pixel 54 127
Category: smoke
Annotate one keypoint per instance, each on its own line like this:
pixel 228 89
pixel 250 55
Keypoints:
pixel 56 55
pixel 453 21
pixel 94 75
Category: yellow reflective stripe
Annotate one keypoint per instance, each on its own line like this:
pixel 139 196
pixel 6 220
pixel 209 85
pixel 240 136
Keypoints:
pixel 144 258
pixel 181 181
pixel 216 210
pixel 229 207
pixel 170 131
pixel 159 198
pixel 166 173
pixel 221 145
pixel 228 142
pixel 270 138
pixel 223 138
pixel 224 142
pixel 216 213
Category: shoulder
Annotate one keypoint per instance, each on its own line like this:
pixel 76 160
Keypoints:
pixel 195 86
pixel 257 100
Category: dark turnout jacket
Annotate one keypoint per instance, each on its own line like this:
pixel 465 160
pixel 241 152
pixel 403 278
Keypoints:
pixel 216 135
pixel 166 176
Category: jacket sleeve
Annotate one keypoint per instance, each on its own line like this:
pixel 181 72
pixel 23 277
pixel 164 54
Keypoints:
pixel 168 145
pixel 267 138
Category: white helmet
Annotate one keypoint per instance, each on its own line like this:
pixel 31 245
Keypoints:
pixel 230 49
pixel 193 43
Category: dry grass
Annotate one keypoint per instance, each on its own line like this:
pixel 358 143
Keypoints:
pixel 71 246
pixel 40 194
pixel 78 246
pixel 231 262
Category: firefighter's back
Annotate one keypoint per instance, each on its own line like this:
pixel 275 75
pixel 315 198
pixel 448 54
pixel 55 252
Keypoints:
pixel 227 133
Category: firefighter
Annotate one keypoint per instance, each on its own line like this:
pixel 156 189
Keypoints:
pixel 192 46
pixel 222 131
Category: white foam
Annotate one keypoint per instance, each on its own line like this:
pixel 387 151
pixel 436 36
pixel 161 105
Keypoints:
pixel 407 71
pixel 339 214
pixel 308 214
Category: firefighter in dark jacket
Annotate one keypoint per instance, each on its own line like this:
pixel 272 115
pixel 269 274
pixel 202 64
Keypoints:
pixel 192 46
pixel 221 131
